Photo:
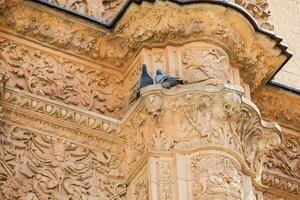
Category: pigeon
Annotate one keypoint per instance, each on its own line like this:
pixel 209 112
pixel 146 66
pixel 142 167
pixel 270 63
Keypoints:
pixel 166 81
pixel 144 81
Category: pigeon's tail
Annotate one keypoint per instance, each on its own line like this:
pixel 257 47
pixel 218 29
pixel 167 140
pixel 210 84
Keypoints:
pixel 180 81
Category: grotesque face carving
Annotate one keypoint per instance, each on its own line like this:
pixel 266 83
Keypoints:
pixel 232 102
pixel 154 106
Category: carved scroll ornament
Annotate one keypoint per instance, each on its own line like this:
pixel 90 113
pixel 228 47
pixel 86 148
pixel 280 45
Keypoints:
pixel 259 10
pixel 199 118
pixel 157 24
pixel 61 79
pixel 35 166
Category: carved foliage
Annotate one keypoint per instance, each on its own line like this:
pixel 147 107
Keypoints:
pixel 3 79
pixel 220 118
pixel 166 179
pixel 281 183
pixel 61 79
pixel 45 167
pixel 221 180
pixel 141 191
pixel 257 137
pixel 205 120
pixel 285 158
pixel 275 105
pixel 259 10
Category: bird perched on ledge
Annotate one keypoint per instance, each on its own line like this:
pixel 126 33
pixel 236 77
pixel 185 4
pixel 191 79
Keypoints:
pixel 144 81
pixel 166 81
pixel 145 78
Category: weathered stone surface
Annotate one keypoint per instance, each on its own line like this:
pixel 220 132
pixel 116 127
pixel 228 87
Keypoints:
pixel 72 126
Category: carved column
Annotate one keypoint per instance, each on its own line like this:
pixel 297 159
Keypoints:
pixel 202 140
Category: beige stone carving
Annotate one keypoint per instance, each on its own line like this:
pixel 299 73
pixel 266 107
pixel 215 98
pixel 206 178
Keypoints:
pixel 60 79
pixel 286 157
pixel 46 167
pixel 205 62
pixel 103 11
pixel 270 196
pixel 3 79
pixel 199 118
pixel 222 180
pixel 71 127
pixel 259 10
pixel 278 105
pixel 152 25
pixel 291 187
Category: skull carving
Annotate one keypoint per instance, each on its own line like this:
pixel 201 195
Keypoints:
pixel 154 106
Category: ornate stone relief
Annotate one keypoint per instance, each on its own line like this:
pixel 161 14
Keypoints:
pixel 276 105
pixel 44 167
pixel 259 10
pixel 3 79
pixel 290 187
pixel 99 10
pixel 148 24
pixel 89 156
pixel 141 187
pixel 213 116
pixel 61 121
pixel 270 196
pixel 205 62
pixel 282 166
pixel 285 159
pixel 222 180
pixel 61 79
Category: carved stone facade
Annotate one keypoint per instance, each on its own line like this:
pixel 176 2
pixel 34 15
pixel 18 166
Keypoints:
pixel 71 126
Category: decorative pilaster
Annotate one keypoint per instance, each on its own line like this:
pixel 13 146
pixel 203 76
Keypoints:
pixel 199 141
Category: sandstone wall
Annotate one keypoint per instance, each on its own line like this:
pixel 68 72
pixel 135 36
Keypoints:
pixel 285 16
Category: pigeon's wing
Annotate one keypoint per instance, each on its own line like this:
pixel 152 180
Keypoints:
pixel 158 78
pixel 171 82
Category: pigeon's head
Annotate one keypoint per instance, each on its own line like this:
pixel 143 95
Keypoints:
pixel 144 67
pixel 159 72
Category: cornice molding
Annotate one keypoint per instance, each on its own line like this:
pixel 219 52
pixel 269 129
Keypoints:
pixel 281 185
pixel 278 105
pixel 117 47
pixel 49 116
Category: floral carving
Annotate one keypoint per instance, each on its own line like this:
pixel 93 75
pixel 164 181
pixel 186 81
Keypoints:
pixel 141 191
pixel 45 167
pixel 259 10
pixel 275 105
pixel 255 137
pixel 153 25
pixel 281 183
pixel 60 79
pixel 286 157
pixel 165 177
